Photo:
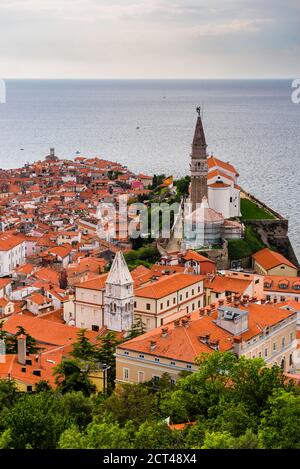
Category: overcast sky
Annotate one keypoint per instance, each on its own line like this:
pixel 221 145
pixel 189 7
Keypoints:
pixel 149 38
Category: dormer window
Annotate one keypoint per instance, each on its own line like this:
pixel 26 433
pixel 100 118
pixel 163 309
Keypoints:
pixel 296 286
pixel 267 285
pixel 283 286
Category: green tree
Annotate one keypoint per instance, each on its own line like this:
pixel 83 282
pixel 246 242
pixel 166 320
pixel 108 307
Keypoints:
pixel 8 392
pixel 129 402
pixel 105 354
pixel 43 386
pixel 104 435
pixel 76 407
pixel 182 185
pixel 35 421
pixel 254 383
pixel 218 440
pixel 233 417
pixel 279 428
pixel 72 438
pixel 156 435
pixel 70 377
pixel 83 348
pixel 5 439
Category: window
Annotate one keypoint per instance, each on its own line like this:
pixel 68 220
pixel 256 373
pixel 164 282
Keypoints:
pixel 161 306
pixel 156 359
pixel 126 352
pixel 268 298
pixel 274 347
pixel 283 342
pixel 291 360
pixel 168 303
pixel 174 301
pixel 199 304
pixel 173 363
pixel 193 292
pixel 282 298
pixel 180 297
pixel 266 352
pixel 134 304
pixel 291 337
pixel 187 294
pixel 156 379
pixel 142 355
pixel 95 328
pixel 189 367
pixel 141 376
pixel 29 388
pixel 125 374
pixel 193 307
pixel 148 306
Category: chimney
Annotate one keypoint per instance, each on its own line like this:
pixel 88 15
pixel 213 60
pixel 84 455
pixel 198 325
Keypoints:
pixel 201 312
pixel 176 323
pixel 275 300
pixel 212 306
pixel 185 322
pixel 204 338
pixel 22 349
pixel 214 343
pixel 221 301
pixel 164 331
pixel 262 301
pixel 237 341
pixel 152 345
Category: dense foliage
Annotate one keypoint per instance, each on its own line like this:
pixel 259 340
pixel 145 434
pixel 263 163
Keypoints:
pixel 228 403
pixel 246 246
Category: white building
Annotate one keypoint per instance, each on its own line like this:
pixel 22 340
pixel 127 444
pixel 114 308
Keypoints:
pixel 12 253
pixel 223 191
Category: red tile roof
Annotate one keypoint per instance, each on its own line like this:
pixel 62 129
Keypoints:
pixel 269 259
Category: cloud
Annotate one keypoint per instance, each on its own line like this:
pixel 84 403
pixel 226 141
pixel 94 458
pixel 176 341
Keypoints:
pixel 140 38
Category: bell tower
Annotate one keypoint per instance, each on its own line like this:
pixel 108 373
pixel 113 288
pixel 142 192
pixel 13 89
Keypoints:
pixel 119 296
pixel 198 166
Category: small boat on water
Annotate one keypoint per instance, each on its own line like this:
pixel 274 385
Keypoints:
pixel 137 128
pixel 21 149
pixel 77 152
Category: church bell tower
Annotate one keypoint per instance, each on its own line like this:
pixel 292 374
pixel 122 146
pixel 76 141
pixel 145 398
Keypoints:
pixel 119 296
pixel 198 166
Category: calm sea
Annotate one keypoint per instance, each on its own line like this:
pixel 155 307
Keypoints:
pixel 252 124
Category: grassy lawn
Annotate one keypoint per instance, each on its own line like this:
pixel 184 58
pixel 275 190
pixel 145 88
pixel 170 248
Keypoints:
pixel 239 248
pixel 250 211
